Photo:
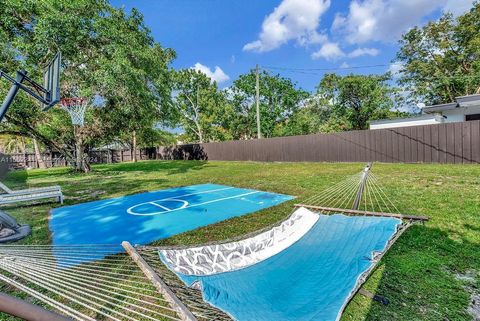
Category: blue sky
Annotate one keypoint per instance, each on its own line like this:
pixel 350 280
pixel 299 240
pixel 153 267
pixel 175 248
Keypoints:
pixel 225 38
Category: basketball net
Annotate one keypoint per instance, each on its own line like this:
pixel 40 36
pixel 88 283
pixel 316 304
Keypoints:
pixel 76 108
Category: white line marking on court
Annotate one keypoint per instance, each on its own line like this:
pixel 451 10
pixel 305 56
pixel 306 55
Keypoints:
pixel 130 210
pixel 194 205
pixel 203 192
pixel 158 205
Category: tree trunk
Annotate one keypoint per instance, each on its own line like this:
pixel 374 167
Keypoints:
pixel 85 162
pixel 199 132
pixel 78 152
pixel 81 163
pixel 134 146
pixel 38 155
pixel 29 131
pixel 23 148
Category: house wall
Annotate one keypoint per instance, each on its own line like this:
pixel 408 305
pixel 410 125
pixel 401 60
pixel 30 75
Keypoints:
pixel 452 116
pixel 406 122
pixel 458 114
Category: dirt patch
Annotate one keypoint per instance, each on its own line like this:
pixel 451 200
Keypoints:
pixel 469 277
pixel 474 308
pixel 86 194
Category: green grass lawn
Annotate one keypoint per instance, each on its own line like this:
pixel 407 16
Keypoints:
pixel 420 274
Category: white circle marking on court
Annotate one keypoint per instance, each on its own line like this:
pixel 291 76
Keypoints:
pixel 154 203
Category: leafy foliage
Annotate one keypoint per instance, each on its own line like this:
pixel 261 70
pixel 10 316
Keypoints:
pixel 109 57
pixel 201 108
pixel 279 99
pixel 442 59
pixel 356 99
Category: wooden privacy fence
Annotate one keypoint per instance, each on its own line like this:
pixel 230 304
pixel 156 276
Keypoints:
pixel 455 143
pixel 29 160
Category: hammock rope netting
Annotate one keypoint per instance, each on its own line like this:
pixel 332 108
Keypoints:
pixel 342 195
pixel 84 284
pixel 90 282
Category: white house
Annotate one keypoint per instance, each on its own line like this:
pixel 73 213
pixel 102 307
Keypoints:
pixel 464 108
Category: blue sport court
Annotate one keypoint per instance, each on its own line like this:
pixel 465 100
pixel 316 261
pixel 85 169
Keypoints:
pixel 144 218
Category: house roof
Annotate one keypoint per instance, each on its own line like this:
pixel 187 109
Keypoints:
pixel 462 101
pixel 400 120
pixel 440 107
pixel 470 100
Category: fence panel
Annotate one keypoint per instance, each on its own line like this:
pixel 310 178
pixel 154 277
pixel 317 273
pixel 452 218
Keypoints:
pixel 454 143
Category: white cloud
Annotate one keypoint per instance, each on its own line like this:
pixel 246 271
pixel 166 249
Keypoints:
pixel 395 69
pixel 329 51
pixel 217 75
pixel 344 65
pixel 387 20
pixel 364 52
pixel 291 20
pixel 332 51
pixel 458 7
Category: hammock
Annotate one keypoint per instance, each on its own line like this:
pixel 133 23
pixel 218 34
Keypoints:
pixel 310 280
pixel 306 268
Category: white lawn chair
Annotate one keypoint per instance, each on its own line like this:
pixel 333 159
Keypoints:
pixel 23 195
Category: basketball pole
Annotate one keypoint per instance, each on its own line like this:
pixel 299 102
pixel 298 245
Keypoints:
pixel 47 96
pixel 12 92
pixel 17 84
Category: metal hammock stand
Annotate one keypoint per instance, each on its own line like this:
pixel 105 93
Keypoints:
pixel 88 282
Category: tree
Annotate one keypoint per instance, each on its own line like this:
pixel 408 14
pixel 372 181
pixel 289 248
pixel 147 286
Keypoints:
pixel 134 77
pixel 309 118
pixel 109 56
pixel 200 106
pixel 356 99
pixel 441 60
pixel 279 99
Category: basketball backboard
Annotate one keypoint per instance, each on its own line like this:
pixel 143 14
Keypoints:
pixel 51 82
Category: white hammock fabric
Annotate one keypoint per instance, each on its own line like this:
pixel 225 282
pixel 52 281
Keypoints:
pixel 213 259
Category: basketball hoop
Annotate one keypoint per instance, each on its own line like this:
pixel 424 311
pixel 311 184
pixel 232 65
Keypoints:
pixel 76 108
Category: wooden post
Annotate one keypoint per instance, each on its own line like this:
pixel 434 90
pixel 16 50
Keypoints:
pixel 174 301
pixel 365 213
pixel 257 101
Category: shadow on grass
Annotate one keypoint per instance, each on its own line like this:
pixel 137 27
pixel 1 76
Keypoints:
pixel 19 178
pixel 103 179
pixel 171 167
pixel 418 277
pixel 16 178
pixel 472 227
